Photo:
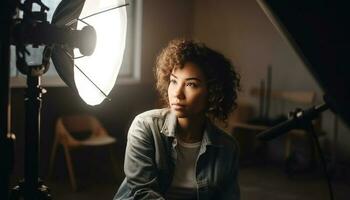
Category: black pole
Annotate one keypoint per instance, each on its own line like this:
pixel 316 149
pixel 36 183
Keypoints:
pixel 268 93
pixel 6 142
pixel 32 136
pixel 32 188
pixel 262 99
pixel 311 130
pixel 4 101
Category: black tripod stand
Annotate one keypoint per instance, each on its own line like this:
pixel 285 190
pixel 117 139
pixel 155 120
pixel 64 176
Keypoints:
pixel 31 187
pixel 302 119
pixel 34 29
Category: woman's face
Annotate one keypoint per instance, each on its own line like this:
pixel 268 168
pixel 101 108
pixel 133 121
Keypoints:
pixel 187 91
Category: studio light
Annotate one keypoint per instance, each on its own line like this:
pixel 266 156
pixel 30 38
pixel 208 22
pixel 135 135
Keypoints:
pixel 93 76
pixel 86 42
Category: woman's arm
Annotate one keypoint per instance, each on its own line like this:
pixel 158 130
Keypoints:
pixel 141 179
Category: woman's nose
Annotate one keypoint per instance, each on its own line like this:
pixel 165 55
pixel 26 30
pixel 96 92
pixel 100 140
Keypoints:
pixel 178 92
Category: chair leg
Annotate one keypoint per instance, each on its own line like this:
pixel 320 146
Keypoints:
pixel 70 168
pixel 52 157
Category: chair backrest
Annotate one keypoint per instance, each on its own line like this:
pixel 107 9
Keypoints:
pixel 68 126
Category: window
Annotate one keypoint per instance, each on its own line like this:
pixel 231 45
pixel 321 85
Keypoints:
pixel 130 69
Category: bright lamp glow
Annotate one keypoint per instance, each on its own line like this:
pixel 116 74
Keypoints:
pixel 103 66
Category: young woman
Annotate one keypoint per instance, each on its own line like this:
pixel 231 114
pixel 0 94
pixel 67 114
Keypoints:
pixel 176 152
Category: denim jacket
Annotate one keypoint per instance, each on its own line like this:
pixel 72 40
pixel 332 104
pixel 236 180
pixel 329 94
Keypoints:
pixel 150 160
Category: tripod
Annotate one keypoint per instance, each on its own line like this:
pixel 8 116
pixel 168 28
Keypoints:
pixel 302 119
pixel 31 187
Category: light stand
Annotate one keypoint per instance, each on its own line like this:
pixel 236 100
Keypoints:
pixel 32 187
pixel 34 29
pixel 301 119
pixel 60 38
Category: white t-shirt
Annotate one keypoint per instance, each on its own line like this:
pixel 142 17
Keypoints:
pixel 184 184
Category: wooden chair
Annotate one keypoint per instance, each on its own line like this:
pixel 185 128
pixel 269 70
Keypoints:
pixel 67 128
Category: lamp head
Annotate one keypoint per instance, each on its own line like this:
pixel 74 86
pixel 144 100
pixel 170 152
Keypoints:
pixel 101 44
pixel 87 42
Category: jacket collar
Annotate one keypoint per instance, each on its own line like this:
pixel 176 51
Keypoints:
pixel 169 125
pixel 209 136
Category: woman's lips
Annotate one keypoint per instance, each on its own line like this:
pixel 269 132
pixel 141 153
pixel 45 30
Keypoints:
pixel 178 106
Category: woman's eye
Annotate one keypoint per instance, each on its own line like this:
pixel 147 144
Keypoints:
pixel 172 81
pixel 191 84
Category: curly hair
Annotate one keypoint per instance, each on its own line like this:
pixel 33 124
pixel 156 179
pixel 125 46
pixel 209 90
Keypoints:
pixel 223 82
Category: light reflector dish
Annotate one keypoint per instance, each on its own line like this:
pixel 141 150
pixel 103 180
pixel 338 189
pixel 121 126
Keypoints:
pixel 92 76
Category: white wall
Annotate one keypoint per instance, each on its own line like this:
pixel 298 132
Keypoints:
pixel 163 20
